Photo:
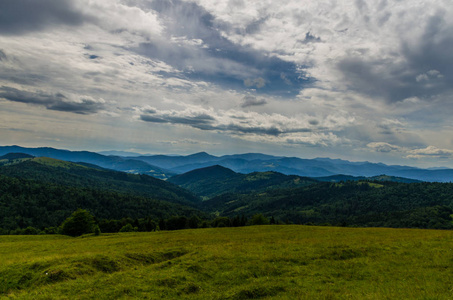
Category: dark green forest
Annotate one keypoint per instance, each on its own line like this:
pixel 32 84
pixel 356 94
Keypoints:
pixel 352 203
pixel 38 194
pixel 26 203
pixel 89 176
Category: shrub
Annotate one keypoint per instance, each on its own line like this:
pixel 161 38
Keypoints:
pixel 97 230
pixel 30 231
pixel 127 228
pixel 80 222
pixel 259 219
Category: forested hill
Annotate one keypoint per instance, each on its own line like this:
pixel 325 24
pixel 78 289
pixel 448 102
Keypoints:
pixel 216 180
pixel 42 192
pixel 360 203
pixel 25 202
pixel 70 174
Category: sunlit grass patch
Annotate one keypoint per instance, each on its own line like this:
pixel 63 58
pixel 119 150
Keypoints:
pixel 257 262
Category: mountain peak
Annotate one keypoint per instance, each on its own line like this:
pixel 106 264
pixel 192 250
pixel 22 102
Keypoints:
pixel 200 155
pixel 212 172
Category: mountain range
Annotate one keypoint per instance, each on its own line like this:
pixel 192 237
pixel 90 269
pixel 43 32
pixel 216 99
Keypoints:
pixel 42 192
pixel 166 166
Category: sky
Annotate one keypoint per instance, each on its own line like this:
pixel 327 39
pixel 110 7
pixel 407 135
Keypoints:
pixel 357 80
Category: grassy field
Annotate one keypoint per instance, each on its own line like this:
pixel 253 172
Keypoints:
pixel 266 262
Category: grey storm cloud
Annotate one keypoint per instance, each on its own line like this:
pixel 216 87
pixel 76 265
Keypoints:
pixel 22 16
pixel 424 72
pixel 204 121
pixel 253 101
pixel 201 121
pixel 56 101
pixel 214 58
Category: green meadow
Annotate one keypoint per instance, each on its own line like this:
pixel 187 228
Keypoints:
pixel 255 262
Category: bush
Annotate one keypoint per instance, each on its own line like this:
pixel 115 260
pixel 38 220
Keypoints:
pixel 30 231
pixel 259 219
pixel 80 222
pixel 127 228
pixel 97 230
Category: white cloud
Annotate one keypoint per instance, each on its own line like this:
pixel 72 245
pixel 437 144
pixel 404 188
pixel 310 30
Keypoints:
pixel 338 75
pixel 251 126
pixel 384 147
pixel 430 151
pixel 418 153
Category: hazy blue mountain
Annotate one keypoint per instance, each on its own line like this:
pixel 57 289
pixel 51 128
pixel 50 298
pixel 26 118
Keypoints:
pixel 109 162
pixel 318 167
pixel 170 161
pixel 164 166
pixel 119 153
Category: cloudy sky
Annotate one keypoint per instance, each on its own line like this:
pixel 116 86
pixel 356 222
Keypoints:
pixel 357 80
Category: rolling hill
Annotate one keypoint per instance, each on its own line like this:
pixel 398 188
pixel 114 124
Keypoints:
pixel 215 180
pixel 65 173
pixel 352 203
pixel 42 192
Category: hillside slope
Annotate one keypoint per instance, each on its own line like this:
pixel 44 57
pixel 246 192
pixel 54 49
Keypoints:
pixel 362 203
pixel 65 173
pixel 43 204
pixel 254 262
pixel 216 180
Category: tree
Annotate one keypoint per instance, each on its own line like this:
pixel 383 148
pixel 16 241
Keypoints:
pixel 259 219
pixel 128 228
pixel 80 222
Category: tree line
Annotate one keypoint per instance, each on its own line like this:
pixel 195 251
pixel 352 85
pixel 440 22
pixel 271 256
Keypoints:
pixel 83 222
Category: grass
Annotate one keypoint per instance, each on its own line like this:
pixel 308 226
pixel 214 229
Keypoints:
pixel 258 262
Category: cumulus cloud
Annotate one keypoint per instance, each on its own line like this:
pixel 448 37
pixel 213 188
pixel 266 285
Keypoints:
pixel 57 101
pixel 201 51
pixel 391 75
pixel 320 73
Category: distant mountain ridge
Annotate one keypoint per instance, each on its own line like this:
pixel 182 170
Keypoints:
pixel 116 163
pixel 165 166
pixel 317 167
